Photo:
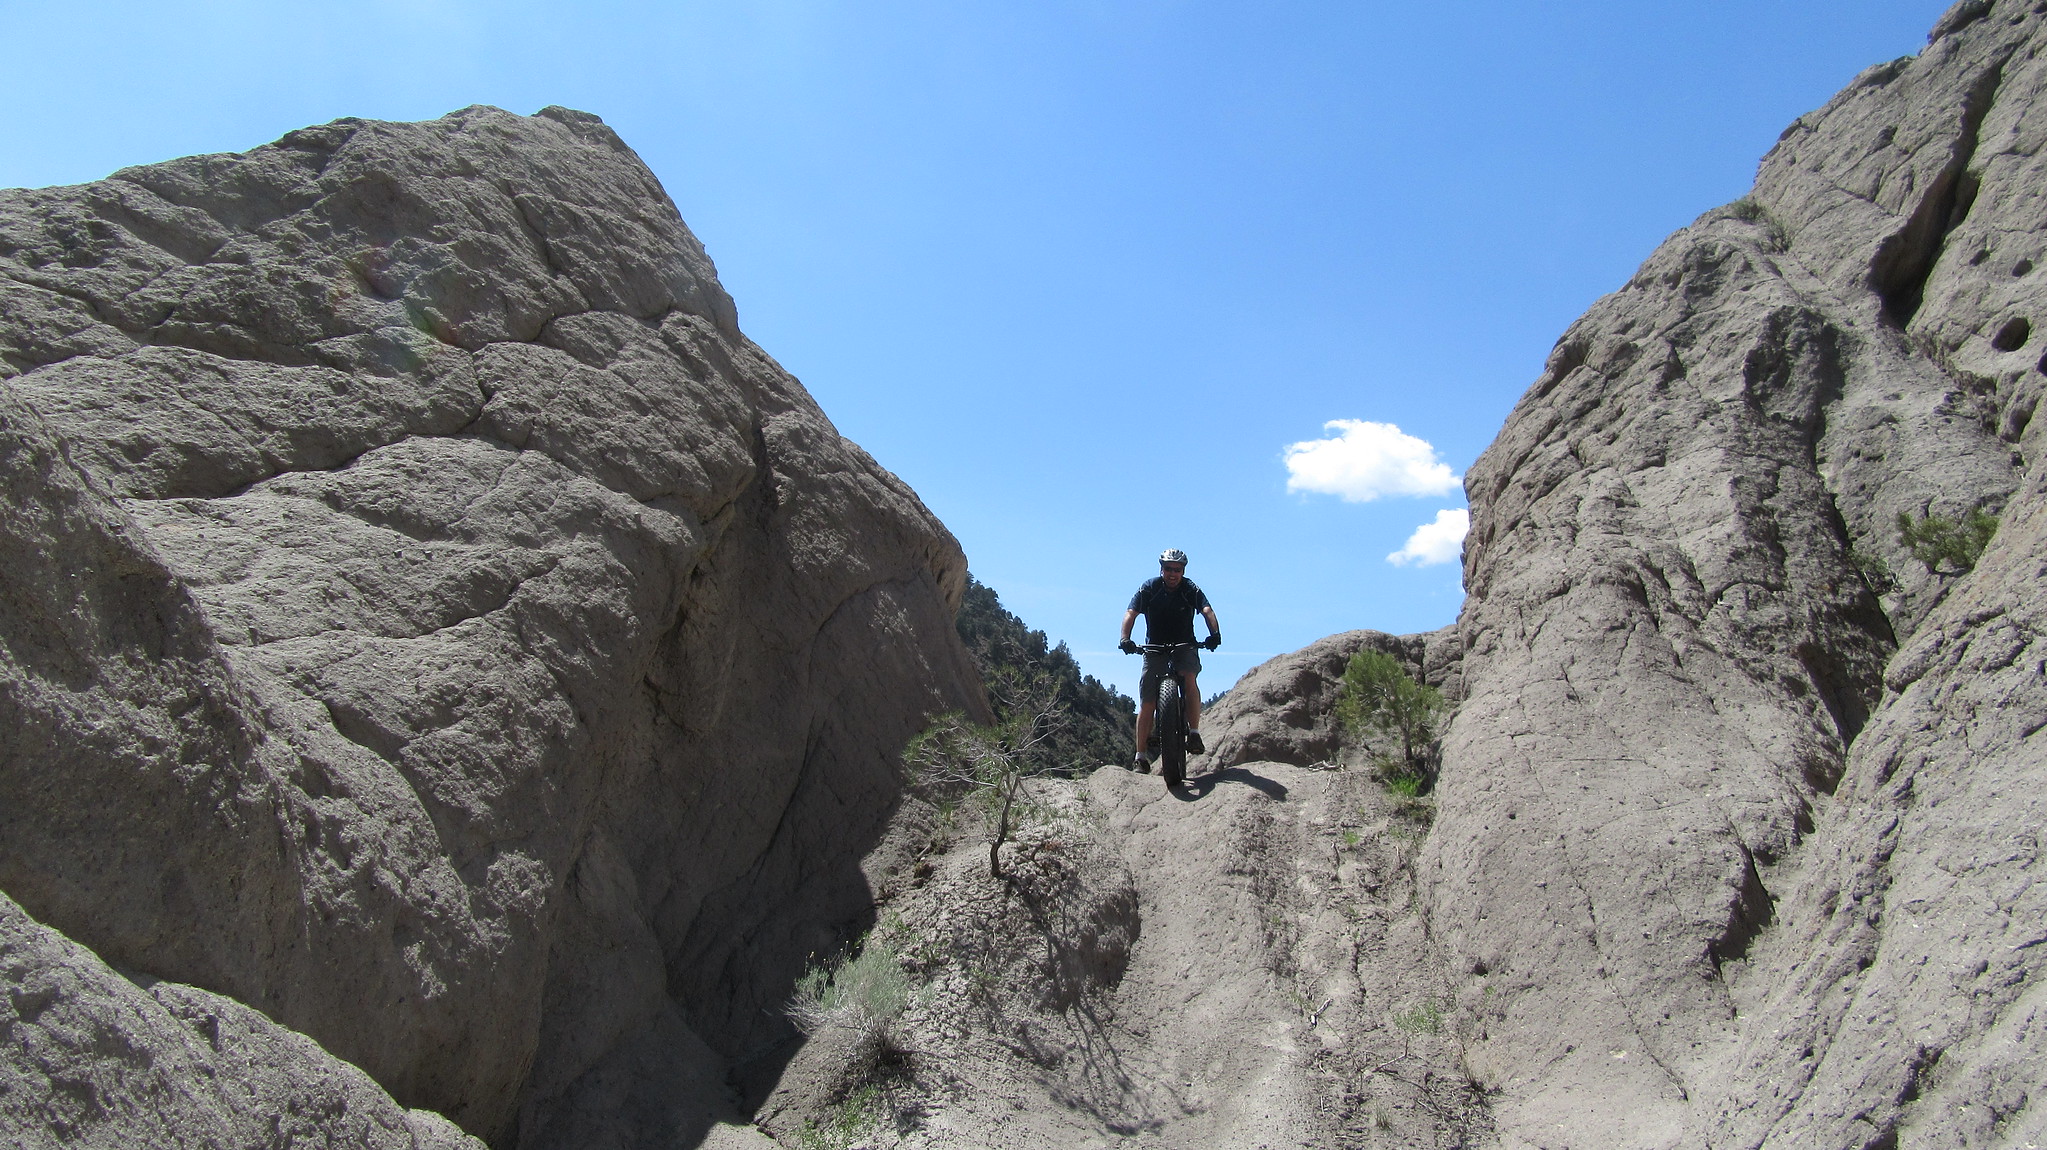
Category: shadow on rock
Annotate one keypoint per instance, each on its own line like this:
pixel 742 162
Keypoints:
pixel 1198 787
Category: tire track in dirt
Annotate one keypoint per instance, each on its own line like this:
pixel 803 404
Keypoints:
pixel 1210 993
pixel 1280 993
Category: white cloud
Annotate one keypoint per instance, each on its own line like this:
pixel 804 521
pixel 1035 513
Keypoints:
pixel 1433 543
pixel 1365 460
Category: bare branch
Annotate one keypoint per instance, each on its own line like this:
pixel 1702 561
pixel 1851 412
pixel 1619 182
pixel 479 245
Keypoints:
pixel 993 762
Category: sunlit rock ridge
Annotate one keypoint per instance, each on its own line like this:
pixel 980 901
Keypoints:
pixel 428 625
pixel 1738 843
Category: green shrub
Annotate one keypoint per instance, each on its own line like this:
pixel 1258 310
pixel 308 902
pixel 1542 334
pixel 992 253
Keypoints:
pixel 1379 697
pixel 1752 212
pixel 1945 546
pixel 865 995
pixel 849 1123
pixel 862 993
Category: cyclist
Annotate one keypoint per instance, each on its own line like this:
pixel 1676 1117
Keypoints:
pixel 1168 604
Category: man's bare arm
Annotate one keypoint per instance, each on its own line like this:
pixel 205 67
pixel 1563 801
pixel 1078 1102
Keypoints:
pixel 1214 628
pixel 1130 620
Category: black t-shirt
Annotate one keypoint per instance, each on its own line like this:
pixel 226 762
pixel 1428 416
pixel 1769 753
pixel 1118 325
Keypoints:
pixel 1168 612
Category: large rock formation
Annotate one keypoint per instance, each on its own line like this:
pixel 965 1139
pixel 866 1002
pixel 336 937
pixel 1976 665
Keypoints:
pixel 1736 844
pixel 427 620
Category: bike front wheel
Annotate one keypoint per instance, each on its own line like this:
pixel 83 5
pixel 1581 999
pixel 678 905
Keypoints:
pixel 1172 731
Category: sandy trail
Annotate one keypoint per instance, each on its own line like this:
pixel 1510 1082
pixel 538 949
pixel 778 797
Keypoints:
pixel 1275 994
pixel 1213 1004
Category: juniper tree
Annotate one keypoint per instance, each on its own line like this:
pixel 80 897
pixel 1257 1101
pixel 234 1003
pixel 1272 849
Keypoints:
pixel 1378 696
pixel 1944 546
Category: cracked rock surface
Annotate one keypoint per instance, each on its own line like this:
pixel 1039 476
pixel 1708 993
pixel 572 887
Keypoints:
pixel 1741 833
pixel 426 619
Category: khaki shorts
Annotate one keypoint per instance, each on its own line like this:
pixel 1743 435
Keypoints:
pixel 1188 662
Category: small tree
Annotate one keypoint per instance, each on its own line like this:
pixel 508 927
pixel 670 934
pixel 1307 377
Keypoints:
pixel 1378 696
pixel 990 764
pixel 1943 543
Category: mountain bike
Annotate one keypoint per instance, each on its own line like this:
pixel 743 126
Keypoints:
pixel 1169 721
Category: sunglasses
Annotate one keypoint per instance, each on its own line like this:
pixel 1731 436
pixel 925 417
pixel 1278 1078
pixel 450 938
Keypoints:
pixel 1170 568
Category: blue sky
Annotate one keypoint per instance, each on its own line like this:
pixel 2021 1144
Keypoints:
pixel 1078 270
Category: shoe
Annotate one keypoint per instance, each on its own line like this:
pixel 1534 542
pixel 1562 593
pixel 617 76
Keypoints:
pixel 1141 765
pixel 1194 746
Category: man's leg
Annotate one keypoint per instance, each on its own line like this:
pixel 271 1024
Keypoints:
pixel 1148 700
pixel 1194 743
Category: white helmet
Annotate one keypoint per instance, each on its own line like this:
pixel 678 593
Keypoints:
pixel 1173 555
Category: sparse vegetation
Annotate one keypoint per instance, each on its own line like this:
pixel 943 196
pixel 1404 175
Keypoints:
pixel 851 1120
pixel 991 764
pixel 1424 1019
pixel 1750 211
pixel 864 994
pixel 868 989
pixel 854 1120
pixel 1747 209
pixel 1874 570
pixel 1049 720
pixel 1379 697
pixel 1947 546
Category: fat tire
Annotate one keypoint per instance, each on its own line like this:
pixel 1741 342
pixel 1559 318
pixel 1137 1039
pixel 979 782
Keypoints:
pixel 1172 727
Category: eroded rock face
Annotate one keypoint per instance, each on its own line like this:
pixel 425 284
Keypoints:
pixel 1738 838
pixel 96 1060
pixel 425 618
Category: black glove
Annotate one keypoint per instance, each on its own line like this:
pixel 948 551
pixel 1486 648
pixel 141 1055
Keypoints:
pixel 1214 641
pixel 1127 647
